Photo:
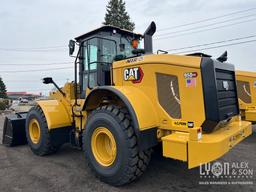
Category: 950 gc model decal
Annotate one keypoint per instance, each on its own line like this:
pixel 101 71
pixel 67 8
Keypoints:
pixel 190 75
pixel 190 79
pixel 133 74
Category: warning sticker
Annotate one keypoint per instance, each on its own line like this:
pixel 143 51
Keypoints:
pixel 188 124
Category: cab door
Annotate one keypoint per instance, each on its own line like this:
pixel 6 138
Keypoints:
pixel 89 64
pixel 97 57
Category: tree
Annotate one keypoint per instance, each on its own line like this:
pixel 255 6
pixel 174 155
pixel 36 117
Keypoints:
pixel 2 89
pixel 117 15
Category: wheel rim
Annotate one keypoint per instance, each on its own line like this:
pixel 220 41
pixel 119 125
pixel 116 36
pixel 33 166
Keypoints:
pixel 103 146
pixel 34 131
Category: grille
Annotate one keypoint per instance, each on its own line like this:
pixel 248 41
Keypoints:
pixel 226 93
pixel 220 93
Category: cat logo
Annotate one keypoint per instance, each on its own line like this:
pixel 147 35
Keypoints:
pixel 133 74
pixel 225 85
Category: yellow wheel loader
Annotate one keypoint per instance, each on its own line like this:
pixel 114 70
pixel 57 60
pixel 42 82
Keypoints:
pixel 246 87
pixel 125 100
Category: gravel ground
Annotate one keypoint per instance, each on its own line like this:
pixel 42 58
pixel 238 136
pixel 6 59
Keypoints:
pixel 66 170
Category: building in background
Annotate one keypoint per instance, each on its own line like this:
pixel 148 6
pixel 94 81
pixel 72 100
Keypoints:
pixel 23 95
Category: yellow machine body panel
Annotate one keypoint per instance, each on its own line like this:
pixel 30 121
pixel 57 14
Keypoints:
pixel 164 79
pixel 56 113
pixel 143 106
pixel 179 145
pixel 246 88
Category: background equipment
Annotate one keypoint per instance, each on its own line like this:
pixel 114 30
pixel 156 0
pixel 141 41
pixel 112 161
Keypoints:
pixel 246 87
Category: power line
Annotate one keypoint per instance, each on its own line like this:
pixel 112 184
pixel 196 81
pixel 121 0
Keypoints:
pixel 47 47
pixel 39 50
pixel 203 30
pixel 27 71
pixel 35 80
pixel 208 19
pixel 214 47
pixel 204 26
pixel 38 64
pixel 31 81
pixel 212 43
pixel 34 48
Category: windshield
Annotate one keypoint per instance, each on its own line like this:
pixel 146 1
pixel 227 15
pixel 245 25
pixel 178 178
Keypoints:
pixel 126 48
pixel 124 45
pixel 104 50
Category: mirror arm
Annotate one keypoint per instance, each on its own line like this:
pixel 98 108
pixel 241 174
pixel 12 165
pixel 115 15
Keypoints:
pixel 59 89
pixel 49 80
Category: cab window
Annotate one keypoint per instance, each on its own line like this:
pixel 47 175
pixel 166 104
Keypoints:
pixel 108 51
pixel 97 53
pixel 90 57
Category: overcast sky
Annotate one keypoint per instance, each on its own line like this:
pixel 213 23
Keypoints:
pixel 48 23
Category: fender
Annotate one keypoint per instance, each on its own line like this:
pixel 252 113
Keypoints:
pixel 55 113
pixel 138 104
pixel 140 107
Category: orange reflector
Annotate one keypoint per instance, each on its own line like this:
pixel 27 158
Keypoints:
pixel 135 43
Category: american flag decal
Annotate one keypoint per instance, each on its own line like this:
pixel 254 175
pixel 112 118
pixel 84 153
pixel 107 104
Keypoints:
pixel 191 82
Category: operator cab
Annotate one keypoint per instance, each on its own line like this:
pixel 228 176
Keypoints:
pixel 98 50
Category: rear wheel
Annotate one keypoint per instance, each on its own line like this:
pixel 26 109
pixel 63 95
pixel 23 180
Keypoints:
pixel 38 135
pixel 111 146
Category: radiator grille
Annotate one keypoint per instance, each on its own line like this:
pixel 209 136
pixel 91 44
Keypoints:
pixel 220 93
pixel 226 93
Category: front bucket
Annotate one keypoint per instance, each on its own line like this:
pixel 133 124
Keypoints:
pixel 14 130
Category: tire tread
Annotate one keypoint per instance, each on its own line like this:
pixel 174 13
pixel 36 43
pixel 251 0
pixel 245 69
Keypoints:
pixel 139 160
pixel 47 148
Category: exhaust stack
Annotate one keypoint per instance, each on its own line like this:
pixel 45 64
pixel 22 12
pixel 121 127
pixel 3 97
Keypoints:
pixel 148 43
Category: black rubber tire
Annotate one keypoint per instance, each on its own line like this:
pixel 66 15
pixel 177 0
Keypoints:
pixel 45 146
pixel 129 163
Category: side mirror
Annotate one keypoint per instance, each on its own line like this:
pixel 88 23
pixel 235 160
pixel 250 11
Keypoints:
pixel 47 80
pixel 71 46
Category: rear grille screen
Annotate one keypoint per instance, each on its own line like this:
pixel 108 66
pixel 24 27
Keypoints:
pixel 220 92
pixel 226 93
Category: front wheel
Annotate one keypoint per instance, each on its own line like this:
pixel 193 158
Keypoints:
pixel 38 135
pixel 111 146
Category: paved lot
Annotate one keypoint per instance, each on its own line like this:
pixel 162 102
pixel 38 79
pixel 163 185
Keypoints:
pixel 20 170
